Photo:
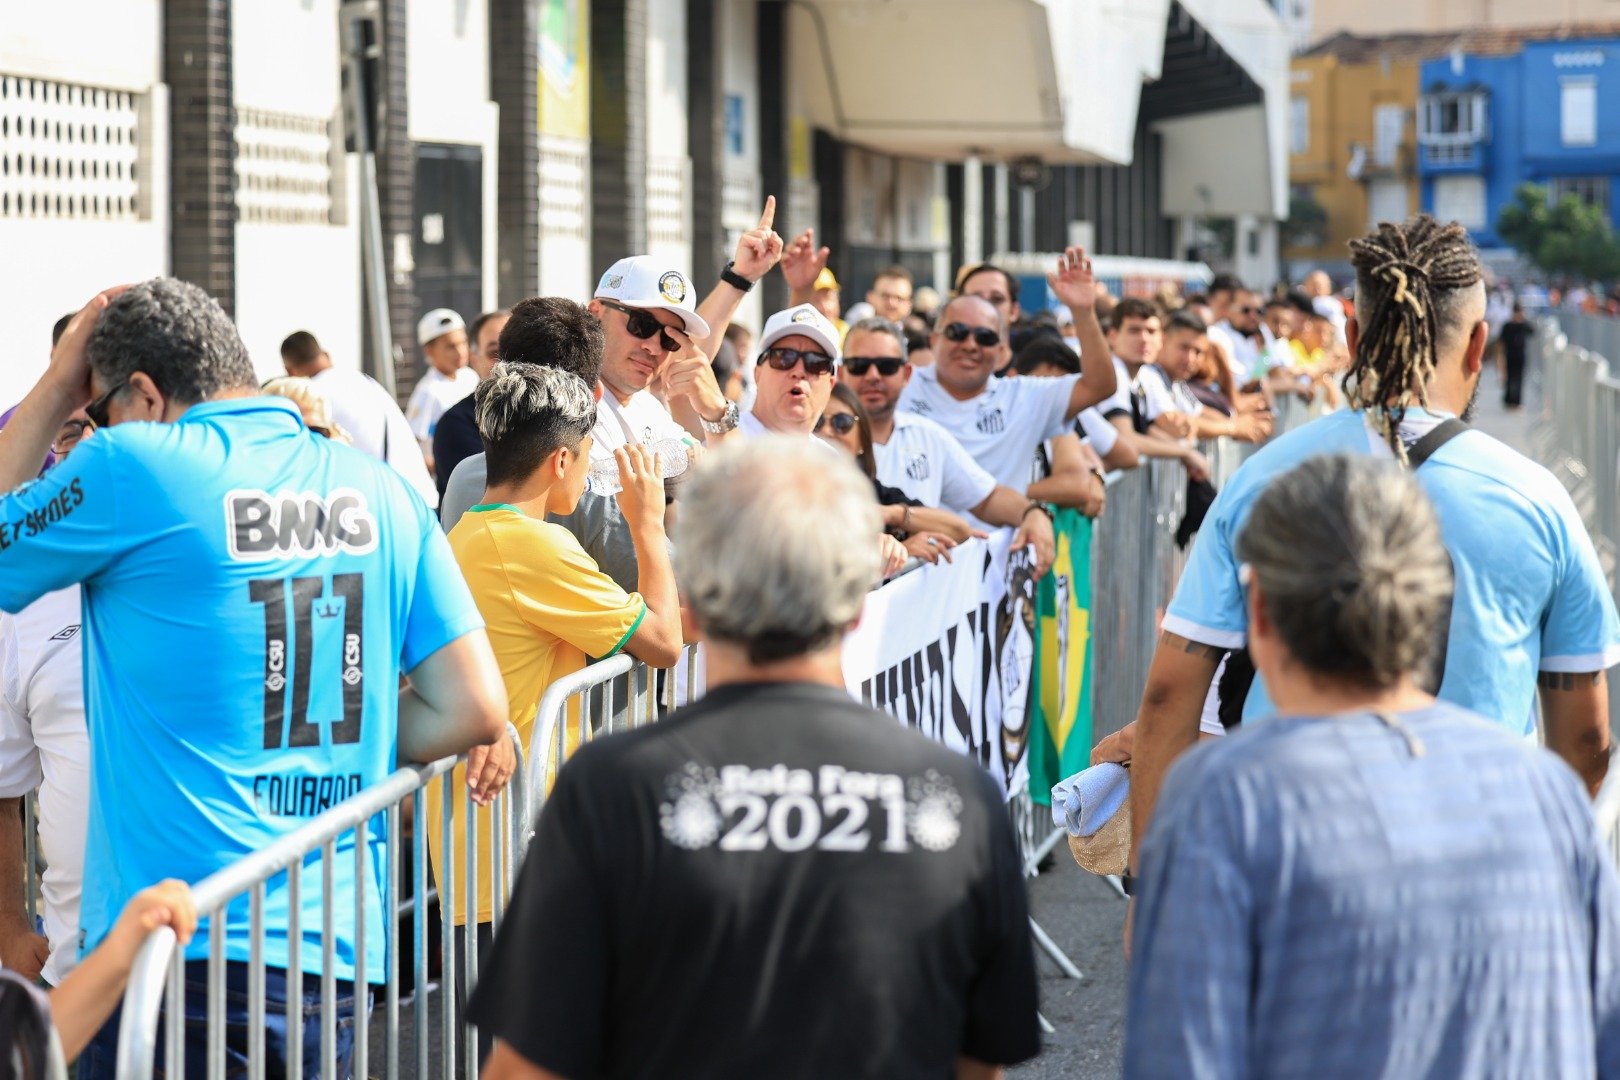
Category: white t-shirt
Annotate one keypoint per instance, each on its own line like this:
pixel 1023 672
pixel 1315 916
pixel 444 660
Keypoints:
pixel 1159 395
pixel 376 426
pixel 435 392
pixel 1119 402
pixel 1003 426
pixel 922 460
pixel 1243 355
pixel 750 426
pixel 43 744
pixel 642 420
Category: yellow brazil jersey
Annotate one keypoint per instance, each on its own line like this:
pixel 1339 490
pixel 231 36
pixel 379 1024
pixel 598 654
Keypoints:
pixel 549 609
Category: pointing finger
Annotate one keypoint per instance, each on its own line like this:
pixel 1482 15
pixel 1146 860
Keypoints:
pixel 768 218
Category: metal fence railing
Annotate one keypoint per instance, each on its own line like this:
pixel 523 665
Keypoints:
pixel 1579 440
pixel 373 824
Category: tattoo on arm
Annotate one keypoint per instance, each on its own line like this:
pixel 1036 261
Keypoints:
pixel 1567 680
pixel 1212 653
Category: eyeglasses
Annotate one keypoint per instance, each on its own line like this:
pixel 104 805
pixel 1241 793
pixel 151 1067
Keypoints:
pixel 843 423
pixel 887 366
pixel 71 434
pixel 1249 310
pixel 815 363
pixel 643 325
pixel 97 409
pixel 983 336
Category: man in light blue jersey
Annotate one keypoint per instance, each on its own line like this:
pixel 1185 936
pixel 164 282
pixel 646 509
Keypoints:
pixel 251 594
pixel 1532 608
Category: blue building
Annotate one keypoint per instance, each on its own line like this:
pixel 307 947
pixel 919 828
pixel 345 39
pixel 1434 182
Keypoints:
pixel 1547 114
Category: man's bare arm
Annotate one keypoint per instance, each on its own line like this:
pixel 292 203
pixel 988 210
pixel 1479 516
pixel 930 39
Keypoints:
pixel 456 700
pixel 1575 713
pixel 21 950
pixel 506 1063
pixel 969 1069
pixel 1167 724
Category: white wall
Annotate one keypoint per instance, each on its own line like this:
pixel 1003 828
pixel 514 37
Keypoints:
pixel 50 267
pixel 447 90
pixel 669 168
pixel 742 197
pixel 287 59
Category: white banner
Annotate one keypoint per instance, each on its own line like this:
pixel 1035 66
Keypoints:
pixel 948 650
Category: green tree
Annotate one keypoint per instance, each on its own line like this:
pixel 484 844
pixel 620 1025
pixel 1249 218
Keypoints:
pixel 1569 237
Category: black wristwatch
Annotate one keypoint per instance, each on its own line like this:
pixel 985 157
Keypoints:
pixel 734 279
pixel 1034 505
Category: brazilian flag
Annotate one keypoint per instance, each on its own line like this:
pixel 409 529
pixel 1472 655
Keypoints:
pixel 1060 691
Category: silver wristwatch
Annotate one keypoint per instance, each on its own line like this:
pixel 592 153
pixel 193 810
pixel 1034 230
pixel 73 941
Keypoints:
pixel 727 421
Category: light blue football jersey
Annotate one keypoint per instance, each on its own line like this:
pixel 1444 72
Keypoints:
pixel 1531 595
pixel 251 594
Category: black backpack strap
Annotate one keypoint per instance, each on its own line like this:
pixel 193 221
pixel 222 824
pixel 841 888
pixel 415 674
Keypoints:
pixel 1442 433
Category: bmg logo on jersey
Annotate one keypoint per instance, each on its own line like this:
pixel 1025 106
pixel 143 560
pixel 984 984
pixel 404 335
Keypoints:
pixel 259 525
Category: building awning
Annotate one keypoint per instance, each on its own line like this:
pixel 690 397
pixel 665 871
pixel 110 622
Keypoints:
pixel 1064 81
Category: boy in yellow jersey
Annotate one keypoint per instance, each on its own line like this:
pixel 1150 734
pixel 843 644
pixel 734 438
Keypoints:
pixel 547 605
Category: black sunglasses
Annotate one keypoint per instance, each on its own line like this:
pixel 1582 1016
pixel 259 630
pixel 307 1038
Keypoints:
pixel 97 409
pixel 643 325
pixel 1249 310
pixel 843 423
pixel 887 366
pixel 815 363
pixel 983 336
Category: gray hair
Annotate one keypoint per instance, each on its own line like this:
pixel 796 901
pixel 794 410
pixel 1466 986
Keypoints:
pixel 525 412
pixel 1348 557
pixel 776 546
pixel 873 324
pixel 178 335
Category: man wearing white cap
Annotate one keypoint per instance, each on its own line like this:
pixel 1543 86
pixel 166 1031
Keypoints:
pixel 795 371
pixel 443 338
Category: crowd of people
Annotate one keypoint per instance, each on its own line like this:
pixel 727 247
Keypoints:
pixel 634 471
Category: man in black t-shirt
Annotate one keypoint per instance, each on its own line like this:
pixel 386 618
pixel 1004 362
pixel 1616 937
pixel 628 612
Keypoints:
pixel 775 881
pixel 1515 338
pixel 456 436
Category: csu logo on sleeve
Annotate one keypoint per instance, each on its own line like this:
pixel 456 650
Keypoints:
pixel 259 525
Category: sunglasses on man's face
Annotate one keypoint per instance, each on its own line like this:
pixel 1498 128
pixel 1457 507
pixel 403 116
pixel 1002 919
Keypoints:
pixel 843 423
pixel 97 409
pixel 644 325
pixel 887 366
pixel 815 363
pixel 1250 310
pixel 983 336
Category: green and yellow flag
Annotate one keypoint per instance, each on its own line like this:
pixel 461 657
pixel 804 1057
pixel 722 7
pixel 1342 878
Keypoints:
pixel 1060 692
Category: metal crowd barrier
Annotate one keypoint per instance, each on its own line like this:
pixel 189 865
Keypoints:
pixel 1579 440
pixel 157 981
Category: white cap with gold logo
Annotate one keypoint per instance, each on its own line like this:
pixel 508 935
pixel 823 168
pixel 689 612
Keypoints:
pixel 804 320
pixel 643 281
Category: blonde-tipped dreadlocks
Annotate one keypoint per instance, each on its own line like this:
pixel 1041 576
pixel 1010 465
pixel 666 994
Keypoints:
pixel 1400 269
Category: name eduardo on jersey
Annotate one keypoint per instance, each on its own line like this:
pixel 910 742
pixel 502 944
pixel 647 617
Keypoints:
pixel 259 525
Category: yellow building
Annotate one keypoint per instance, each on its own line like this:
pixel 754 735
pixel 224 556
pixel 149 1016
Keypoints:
pixel 1352 149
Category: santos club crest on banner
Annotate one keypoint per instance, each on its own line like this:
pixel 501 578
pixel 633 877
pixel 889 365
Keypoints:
pixel 948 649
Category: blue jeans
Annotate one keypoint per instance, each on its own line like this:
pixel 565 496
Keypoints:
pixel 100 1059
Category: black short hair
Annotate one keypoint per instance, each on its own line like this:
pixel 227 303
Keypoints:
pixel 984 268
pixel 300 348
pixel 177 335
pixel 1133 307
pixel 1276 302
pixel 896 271
pixel 1225 283
pixel 553 331
pixel 62 325
pixel 1185 320
pixel 1046 349
pixel 478 323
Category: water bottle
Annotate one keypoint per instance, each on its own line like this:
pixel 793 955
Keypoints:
pixel 603 478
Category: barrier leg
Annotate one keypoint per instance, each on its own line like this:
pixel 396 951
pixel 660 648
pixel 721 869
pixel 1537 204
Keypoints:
pixel 1049 947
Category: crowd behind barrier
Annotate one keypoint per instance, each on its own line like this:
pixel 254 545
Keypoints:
pixel 1579 440
pixel 1135 565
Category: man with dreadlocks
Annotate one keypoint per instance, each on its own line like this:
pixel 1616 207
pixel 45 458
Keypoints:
pixel 1531 609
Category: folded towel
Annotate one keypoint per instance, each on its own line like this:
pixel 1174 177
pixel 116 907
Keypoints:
pixel 1085 802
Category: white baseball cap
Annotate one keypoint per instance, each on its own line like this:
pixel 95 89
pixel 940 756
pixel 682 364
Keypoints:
pixel 804 320
pixel 436 324
pixel 642 281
